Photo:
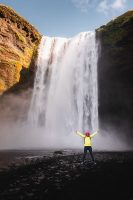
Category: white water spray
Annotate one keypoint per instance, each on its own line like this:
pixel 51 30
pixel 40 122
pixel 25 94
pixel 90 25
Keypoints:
pixel 65 96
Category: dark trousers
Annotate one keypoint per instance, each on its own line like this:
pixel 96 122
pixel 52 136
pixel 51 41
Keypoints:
pixel 88 148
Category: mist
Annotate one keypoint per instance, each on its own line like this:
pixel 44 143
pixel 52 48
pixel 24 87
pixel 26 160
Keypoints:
pixel 21 136
pixel 16 133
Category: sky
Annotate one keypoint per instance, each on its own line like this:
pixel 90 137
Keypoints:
pixel 66 18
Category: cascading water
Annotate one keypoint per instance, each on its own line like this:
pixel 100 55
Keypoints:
pixel 65 96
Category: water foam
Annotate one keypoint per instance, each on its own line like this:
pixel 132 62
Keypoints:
pixel 65 95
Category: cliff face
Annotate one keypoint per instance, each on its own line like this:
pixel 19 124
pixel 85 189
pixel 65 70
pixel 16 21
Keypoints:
pixel 18 44
pixel 115 71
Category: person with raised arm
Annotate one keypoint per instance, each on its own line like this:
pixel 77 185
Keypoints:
pixel 87 144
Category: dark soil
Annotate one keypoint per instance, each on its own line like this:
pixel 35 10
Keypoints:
pixel 65 177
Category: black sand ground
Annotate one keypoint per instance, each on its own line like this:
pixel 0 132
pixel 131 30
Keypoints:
pixel 64 177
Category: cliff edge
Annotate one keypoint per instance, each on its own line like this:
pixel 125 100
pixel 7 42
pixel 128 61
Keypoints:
pixel 115 71
pixel 18 45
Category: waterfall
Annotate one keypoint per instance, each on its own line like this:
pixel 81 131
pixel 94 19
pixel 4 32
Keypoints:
pixel 65 94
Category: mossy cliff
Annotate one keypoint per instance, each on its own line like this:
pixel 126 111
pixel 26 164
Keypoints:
pixel 115 71
pixel 18 45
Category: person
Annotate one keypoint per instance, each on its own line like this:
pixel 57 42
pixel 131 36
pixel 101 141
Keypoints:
pixel 87 143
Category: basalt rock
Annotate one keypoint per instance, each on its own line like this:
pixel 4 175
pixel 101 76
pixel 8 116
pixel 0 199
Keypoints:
pixel 18 46
pixel 115 71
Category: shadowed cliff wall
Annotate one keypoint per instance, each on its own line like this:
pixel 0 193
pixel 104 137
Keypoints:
pixel 115 73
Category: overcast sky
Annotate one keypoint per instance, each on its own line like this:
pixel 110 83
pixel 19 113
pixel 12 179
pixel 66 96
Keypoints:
pixel 66 18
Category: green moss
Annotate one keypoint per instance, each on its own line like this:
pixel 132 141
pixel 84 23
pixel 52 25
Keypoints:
pixel 116 30
pixel 14 73
pixel 25 40
pixel 2 49
pixel 114 36
pixel 9 62
pixel 121 20
pixel 20 37
pixel 117 22
pixel 9 13
pixel 28 51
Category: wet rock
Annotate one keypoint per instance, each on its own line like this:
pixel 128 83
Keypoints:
pixel 30 194
pixel 58 152
pixel 50 179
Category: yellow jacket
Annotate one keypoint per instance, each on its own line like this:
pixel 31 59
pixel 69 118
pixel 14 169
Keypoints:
pixel 87 140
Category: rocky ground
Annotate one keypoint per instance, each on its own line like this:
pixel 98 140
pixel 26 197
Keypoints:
pixel 63 176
